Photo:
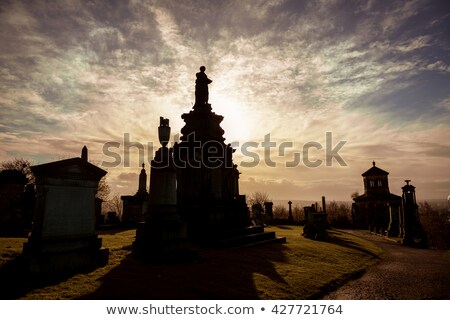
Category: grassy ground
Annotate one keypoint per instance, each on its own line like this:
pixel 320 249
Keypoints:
pixel 300 269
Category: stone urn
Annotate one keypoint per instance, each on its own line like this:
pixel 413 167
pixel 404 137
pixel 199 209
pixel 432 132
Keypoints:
pixel 164 131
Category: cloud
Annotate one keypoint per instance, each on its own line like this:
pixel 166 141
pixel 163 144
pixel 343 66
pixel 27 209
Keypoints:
pixel 375 74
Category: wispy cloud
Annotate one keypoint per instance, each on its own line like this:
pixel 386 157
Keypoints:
pixel 374 73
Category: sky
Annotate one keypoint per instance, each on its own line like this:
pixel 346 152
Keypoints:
pixel 372 76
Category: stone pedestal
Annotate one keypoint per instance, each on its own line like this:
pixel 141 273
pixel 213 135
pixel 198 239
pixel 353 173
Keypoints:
pixel 63 237
pixel 207 180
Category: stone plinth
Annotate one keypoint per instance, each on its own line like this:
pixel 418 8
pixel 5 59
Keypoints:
pixel 63 237
pixel 207 180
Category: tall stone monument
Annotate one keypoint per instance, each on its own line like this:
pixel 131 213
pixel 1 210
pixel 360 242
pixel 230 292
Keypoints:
pixel 63 237
pixel 163 235
pixel 413 234
pixel 207 179
pixel 135 206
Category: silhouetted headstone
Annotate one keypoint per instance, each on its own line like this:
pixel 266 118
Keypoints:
pixel 315 223
pixel 268 210
pixel 163 235
pixel 63 237
pixel 290 217
pixel 258 214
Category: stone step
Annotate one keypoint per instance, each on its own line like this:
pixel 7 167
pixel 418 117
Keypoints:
pixel 250 239
pixel 244 232
pixel 276 240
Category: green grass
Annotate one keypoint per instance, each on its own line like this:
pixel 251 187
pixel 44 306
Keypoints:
pixel 300 269
pixel 10 248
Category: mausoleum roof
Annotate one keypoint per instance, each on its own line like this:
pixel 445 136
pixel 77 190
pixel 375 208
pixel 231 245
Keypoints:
pixel 375 171
pixel 68 166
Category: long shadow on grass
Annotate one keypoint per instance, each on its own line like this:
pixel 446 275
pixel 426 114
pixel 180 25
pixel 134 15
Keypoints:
pixel 218 274
pixel 335 239
pixel 16 281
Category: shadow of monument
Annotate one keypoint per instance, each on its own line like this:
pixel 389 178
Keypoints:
pixel 16 281
pixel 216 274
pixel 335 239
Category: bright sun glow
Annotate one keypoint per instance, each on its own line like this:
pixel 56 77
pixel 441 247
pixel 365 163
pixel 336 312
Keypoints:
pixel 235 124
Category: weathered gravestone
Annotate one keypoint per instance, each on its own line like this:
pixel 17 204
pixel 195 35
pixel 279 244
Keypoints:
pixel 63 237
pixel 315 223
pixel 268 210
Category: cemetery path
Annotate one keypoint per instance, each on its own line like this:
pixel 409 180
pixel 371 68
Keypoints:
pixel 406 273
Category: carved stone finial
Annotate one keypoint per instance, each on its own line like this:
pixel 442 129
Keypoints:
pixel 407 182
pixel 163 122
pixel 373 162
pixel 164 131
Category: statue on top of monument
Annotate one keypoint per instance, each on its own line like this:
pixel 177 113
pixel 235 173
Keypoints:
pixel 201 87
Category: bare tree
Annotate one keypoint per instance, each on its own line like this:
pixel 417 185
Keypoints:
pixel 280 212
pixel 114 204
pixel 354 195
pixel 297 212
pixel 103 189
pixel 436 224
pixel 258 198
pixel 22 165
pixel 338 215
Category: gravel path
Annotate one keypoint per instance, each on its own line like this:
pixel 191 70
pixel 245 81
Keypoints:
pixel 406 273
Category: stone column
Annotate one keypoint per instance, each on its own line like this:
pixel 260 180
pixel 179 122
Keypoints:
pixel 394 222
pixel 291 217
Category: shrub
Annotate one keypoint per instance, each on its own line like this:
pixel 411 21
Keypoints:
pixel 435 223
pixel 338 215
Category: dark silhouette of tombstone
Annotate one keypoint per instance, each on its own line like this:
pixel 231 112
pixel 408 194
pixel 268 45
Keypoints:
pixel 163 236
pixel 201 88
pixel 63 238
pixel 290 217
pixel 268 210
pixel 315 223
pixel 324 205
pixel 413 232
pixel 258 214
